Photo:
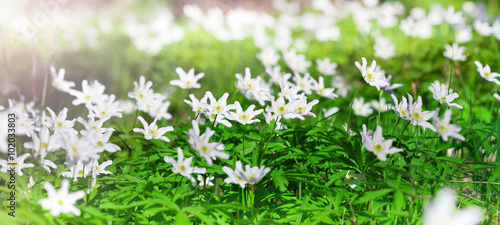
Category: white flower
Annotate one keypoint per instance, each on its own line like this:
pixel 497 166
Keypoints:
pixel 201 143
pixel 205 181
pixel 304 83
pixel 401 108
pixel 444 128
pixel 276 76
pixel 304 108
pixel 454 52
pixel 151 131
pixel 378 145
pixel 463 34
pixel 384 48
pixel 342 86
pixel 325 67
pixel 61 201
pixel 268 57
pixel 330 111
pixel 233 177
pixel 247 85
pixel 417 116
pixel 183 167
pixel 199 106
pixel 77 149
pixel 380 106
pixel 444 96
pixel 286 110
pixel 187 80
pixel 58 81
pixel 296 63
pixel 18 164
pixel 218 109
pixel 441 211
pixel 252 175
pixel 105 108
pixel 497 96
pixel 371 75
pixel 486 73
pixel 89 94
pixel 390 87
pixel 361 108
pixel 59 123
pixel 142 90
pixel 320 89
pixel 453 18
pixel 244 117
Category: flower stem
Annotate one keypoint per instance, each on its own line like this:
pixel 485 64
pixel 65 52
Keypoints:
pixel 350 108
pixel 261 155
pixel 243 150
pixel 395 126
pixel 147 152
pixel 379 98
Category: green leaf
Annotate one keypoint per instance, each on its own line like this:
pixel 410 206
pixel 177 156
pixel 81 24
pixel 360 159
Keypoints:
pixel 279 180
pixel 372 195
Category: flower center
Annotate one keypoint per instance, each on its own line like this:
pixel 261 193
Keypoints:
pixel 378 148
pixel 182 168
pixel 99 143
pixel 443 99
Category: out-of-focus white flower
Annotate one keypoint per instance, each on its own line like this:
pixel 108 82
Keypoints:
pixel 276 76
pixel 89 94
pixel 378 145
pixel 330 111
pixel 454 52
pixel 58 81
pixel 320 89
pixel 486 73
pixel 268 57
pixel 371 75
pixel 246 84
pixel 463 34
pixel 297 63
pixel 326 67
pixel 19 164
pixel 452 17
pixel 304 83
pixel 151 131
pixel 61 201
pixel 187 80
pixel 349 131
pixel 389 88
pixel 442 211
pixel 436 14
pixel 444 96
pixel 444 128
pixel 361 108
pixel 77 149
pixel 482 27
pixel 384 48
pixel 380 106
pixel 205 181
pixel 183 167
pixel 341 85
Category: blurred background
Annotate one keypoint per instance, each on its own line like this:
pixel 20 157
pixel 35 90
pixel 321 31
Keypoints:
pixel 115 42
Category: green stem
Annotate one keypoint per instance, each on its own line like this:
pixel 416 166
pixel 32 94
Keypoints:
pixel 350 108
pixel 243 150
pixel 261 155
pixel 404 129
pixel 147 152
pixel 379 98
pixel 395 126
